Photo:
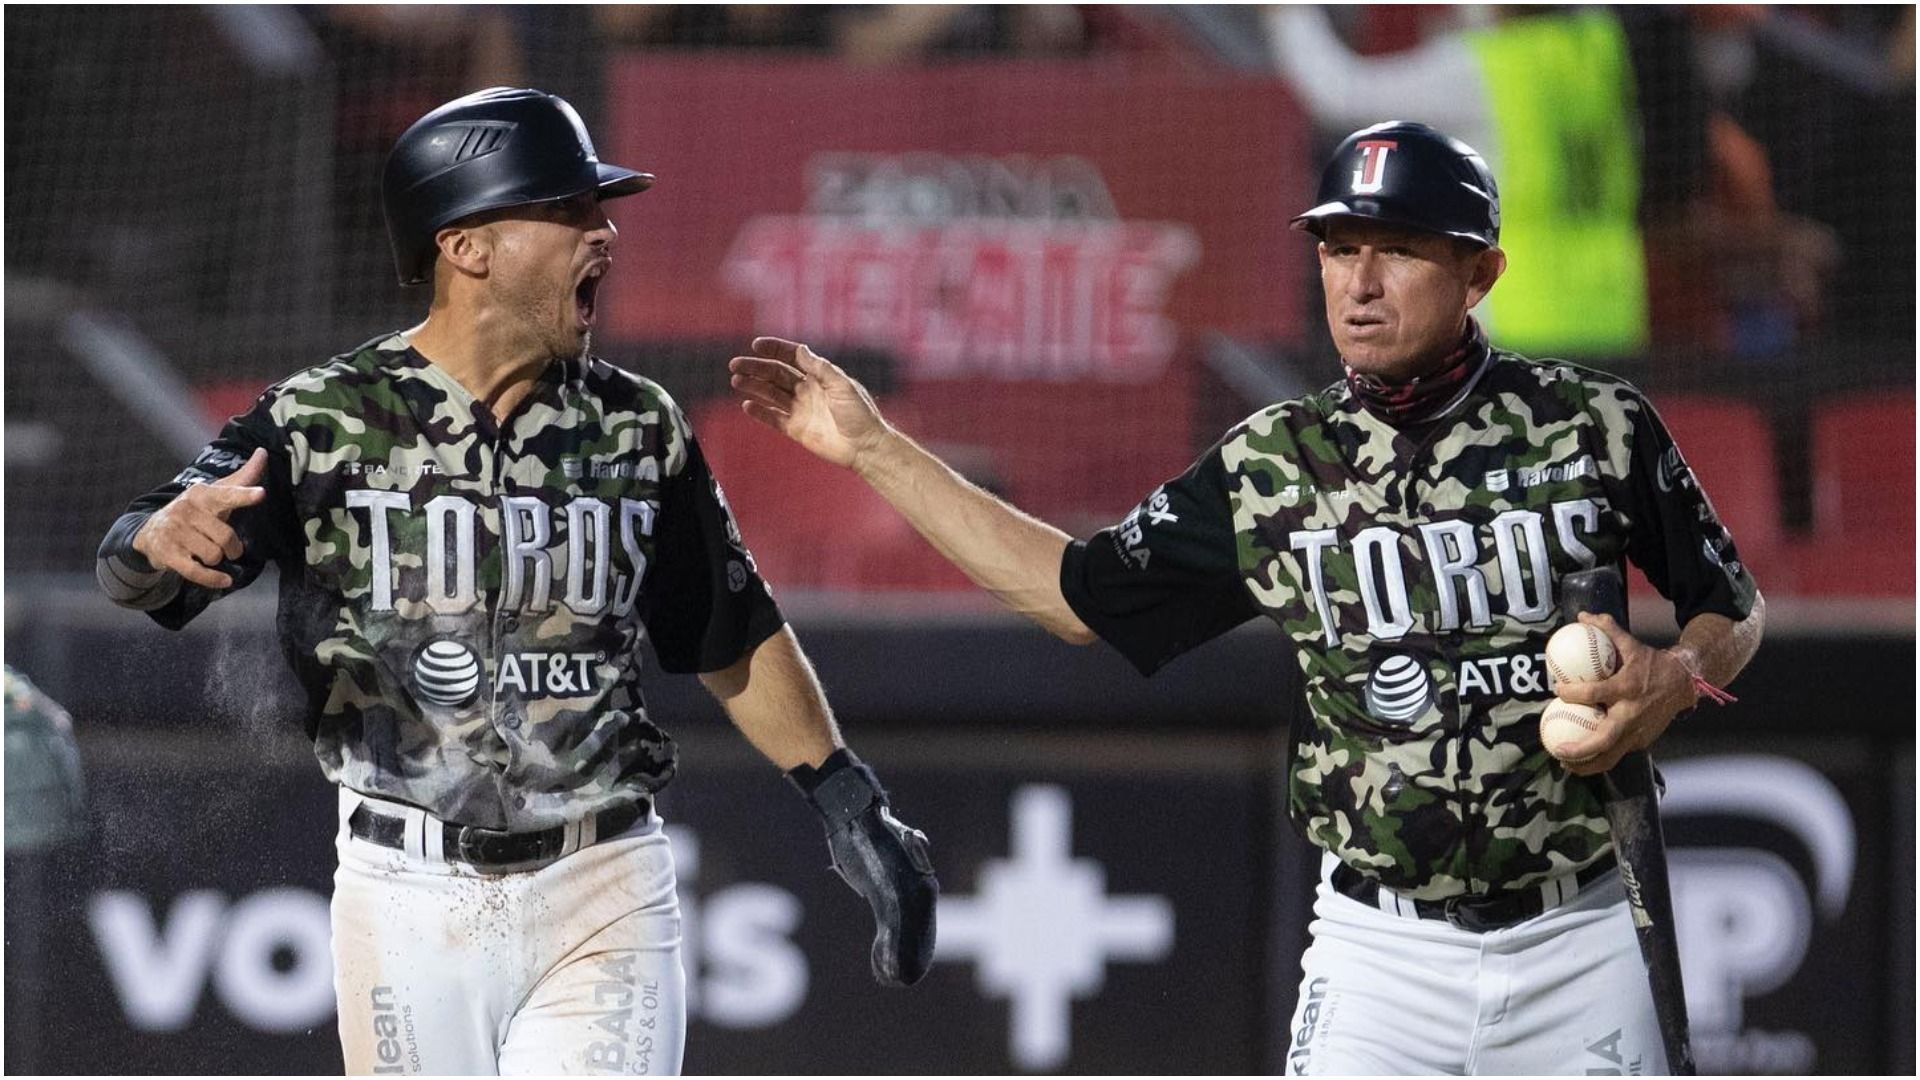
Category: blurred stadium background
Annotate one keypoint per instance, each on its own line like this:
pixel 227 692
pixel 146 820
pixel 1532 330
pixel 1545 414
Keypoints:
pixel 1053 238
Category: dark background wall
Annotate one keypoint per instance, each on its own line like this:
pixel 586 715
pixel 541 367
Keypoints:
pixel 1150 903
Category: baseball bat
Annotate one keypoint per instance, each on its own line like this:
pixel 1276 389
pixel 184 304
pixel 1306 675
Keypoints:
pixel 1633 814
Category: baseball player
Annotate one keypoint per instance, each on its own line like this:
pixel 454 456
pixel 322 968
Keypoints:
pixel 1406 528
pixel 478 524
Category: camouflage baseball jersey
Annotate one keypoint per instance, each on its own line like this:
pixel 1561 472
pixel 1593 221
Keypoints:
pixel 465 602
pixel 1415 572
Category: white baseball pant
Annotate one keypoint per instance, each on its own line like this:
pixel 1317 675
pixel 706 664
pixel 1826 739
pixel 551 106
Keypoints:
pixel 1564 992
pixel 573 968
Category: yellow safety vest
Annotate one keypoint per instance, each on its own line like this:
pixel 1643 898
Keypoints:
pixel 1560 88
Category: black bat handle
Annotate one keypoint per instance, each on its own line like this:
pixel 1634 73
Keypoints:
pixel 1633 815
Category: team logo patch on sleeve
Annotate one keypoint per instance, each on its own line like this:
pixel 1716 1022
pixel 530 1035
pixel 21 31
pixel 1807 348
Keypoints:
pixel 1130 537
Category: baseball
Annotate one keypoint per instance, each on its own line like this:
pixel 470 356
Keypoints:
pixel 1580 653
pixel 1567 730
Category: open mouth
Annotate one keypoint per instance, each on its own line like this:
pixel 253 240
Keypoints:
pixel 586 293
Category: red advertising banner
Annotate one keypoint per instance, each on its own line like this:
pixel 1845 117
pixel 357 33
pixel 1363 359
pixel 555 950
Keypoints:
pixel 1054 222
pixel 1041 249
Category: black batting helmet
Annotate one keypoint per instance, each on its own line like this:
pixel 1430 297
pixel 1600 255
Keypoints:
pixel 488 150
pixel 1408 174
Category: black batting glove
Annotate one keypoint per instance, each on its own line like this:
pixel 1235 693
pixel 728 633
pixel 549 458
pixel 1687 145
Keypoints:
pixel 883 860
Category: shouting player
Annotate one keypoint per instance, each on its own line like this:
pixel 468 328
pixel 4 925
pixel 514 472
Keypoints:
pixel 1407 528
pixel 478 526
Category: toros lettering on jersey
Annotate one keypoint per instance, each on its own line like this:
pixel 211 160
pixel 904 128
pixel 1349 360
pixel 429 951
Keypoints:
pixel 1453 550
pixel 529 539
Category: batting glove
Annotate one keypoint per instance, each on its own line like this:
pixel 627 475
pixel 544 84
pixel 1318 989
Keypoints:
pixel 883 860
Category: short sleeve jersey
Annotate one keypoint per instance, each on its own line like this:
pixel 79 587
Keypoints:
pixel 465 602
pixel 1415 573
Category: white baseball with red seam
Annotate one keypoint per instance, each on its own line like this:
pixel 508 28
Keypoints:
pixel 1571 732
pixel 1580 653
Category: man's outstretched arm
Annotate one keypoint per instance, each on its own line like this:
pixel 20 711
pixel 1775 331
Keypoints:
pixel 1011 554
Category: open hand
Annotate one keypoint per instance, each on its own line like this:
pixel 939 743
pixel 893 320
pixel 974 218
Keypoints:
pixel 190 535
pixel 805 397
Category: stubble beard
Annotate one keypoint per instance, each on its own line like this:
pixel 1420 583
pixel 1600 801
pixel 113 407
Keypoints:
pixel 549 324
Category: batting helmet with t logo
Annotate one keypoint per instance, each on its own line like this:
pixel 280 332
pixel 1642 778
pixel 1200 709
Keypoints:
pixel 492 149
pixel 1408 174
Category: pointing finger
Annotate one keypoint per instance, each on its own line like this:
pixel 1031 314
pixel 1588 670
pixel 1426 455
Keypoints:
pixel 248 474
pixel 224 499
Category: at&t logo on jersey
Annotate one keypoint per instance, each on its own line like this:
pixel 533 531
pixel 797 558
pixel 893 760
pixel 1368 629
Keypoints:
pixel 448 672
pixel 534 675
pixel 1520 675
pixel 1399 690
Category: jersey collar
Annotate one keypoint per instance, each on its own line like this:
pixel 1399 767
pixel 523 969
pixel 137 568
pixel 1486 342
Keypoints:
pixel 556 382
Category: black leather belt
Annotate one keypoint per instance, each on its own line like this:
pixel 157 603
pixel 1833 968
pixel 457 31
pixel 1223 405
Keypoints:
pixel 1479 914
pixel 492 848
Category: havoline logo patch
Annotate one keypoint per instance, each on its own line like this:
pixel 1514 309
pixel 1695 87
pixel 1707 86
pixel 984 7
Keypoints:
pixel 1399 690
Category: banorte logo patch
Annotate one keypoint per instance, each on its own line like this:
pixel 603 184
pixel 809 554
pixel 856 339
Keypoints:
pixel 1399 690
pixel 446 672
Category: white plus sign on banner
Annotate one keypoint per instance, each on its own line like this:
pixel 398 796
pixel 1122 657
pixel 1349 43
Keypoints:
pixel 1042 928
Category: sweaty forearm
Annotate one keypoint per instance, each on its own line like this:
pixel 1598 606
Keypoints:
pixel 1012 555
pixel 773 697
pixel 1717 648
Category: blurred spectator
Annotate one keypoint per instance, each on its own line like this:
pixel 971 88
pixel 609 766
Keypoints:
pixel 1726 270
pixel 1621 180
pixel 392 63
pixel 46 815
pixel 46 805
pixel 396 61
pixel 1835 112
pixel 1548 100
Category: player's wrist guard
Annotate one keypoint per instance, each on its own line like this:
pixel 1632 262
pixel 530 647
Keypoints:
pixel 883 860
